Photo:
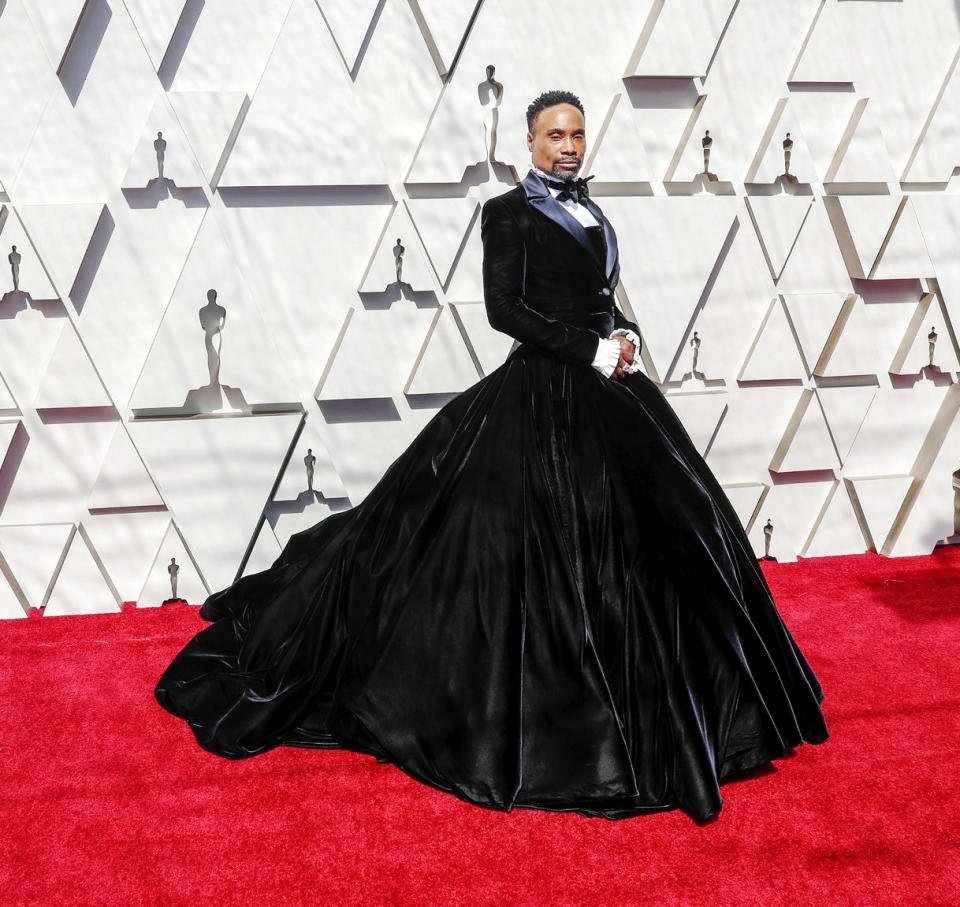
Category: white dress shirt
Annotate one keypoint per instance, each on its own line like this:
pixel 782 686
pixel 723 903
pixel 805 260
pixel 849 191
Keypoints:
pixel 608 349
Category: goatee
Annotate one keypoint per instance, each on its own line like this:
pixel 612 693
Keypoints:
pixel 565 174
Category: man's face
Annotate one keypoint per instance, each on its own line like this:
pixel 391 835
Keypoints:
pixel 557 140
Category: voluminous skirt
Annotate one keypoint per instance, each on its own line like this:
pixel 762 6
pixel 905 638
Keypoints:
pixel 546 602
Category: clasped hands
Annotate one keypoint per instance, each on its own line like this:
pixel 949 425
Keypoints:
pixel 627 351
pixel 616 355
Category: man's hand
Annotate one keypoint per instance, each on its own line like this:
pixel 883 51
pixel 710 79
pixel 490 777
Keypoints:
pixel 627 352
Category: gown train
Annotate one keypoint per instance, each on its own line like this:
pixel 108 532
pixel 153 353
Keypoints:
pixel 547 601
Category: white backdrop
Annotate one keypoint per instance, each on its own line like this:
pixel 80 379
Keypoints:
pixel 303 137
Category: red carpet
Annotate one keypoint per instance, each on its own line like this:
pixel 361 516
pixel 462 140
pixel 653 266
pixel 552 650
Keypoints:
pixel 107 799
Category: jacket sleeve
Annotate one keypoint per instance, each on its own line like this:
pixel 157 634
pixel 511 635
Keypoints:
pixel 621 321
pixel 504 261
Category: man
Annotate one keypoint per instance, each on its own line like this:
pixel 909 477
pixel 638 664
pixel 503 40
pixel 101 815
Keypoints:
pixel 549 253
pixel 532 608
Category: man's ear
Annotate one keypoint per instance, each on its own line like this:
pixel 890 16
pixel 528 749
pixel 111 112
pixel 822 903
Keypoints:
pixel 529 141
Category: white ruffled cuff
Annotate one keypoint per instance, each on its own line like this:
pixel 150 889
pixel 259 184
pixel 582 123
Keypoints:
pixel 607 356
pixel 635 340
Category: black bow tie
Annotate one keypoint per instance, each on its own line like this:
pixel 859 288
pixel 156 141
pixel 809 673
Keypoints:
pixel 576 189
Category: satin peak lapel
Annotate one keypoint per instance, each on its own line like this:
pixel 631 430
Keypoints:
pixel 539 196
pixel 609 235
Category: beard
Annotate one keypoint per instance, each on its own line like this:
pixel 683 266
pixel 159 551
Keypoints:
pixel 563 174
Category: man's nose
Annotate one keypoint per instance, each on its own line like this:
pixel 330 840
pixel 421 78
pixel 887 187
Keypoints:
pixel 567 146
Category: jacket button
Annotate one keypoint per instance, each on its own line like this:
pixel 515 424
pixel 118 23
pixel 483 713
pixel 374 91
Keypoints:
pixel 604 292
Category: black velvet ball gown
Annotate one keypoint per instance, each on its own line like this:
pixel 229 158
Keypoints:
pixel 546 602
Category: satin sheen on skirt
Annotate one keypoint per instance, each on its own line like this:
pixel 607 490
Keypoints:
pixel 546 602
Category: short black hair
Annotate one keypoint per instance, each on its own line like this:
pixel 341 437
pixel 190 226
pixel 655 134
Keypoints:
pixel 549 99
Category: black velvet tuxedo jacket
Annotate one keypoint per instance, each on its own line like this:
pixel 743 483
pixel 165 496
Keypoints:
pixel 543 283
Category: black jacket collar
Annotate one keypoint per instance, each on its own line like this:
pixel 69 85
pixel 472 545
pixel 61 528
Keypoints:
pixel 539 197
